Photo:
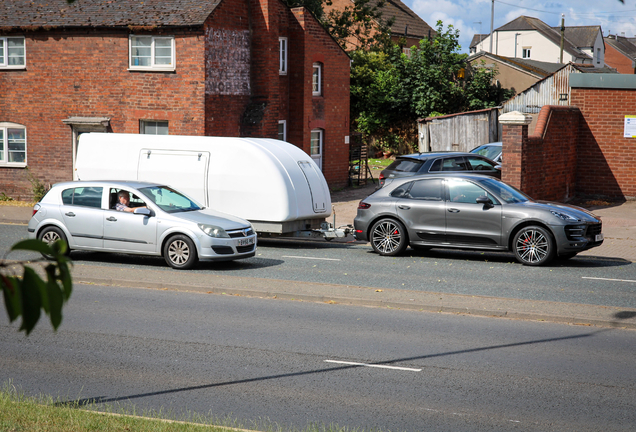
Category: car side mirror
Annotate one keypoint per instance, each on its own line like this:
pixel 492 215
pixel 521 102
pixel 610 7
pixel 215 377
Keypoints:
pixel 484 200
pixel 498 167
pixel 142 210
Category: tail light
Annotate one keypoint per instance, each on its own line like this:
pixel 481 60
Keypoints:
pixel 363 206
pixel 35 209
pixel 381 176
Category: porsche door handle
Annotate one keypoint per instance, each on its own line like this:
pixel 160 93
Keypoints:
pixel 453 210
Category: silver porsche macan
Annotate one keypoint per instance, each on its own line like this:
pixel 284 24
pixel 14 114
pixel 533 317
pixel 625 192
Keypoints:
pixel 473 212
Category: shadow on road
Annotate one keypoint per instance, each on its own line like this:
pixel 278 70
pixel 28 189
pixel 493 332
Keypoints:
pixel 103 399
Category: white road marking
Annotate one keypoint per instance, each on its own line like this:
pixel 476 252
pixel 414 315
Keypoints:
pixel 374 365
pixel 606 279
pixel 311 258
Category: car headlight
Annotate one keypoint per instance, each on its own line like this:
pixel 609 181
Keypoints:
pixel 564 216
pixel 213 231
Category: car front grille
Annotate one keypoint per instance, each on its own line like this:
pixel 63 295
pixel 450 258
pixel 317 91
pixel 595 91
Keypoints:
pixel 241 233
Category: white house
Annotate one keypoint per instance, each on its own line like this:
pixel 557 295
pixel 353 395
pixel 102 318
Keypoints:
pixel 531 38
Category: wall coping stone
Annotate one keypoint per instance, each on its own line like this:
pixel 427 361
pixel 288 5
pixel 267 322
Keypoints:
pixel 515 118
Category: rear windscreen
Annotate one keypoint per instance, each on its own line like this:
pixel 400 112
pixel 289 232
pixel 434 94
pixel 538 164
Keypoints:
pixel 405 165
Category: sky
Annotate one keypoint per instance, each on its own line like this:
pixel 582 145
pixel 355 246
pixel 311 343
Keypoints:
pixel 472 17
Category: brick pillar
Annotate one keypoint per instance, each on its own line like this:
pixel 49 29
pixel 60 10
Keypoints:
pixel 514 145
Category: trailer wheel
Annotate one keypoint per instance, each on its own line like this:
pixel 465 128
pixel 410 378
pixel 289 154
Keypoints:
pixel 180 253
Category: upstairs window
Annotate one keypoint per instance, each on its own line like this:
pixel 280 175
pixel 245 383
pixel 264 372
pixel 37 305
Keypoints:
pixel 282 56
pixel 316 80
pixel 12 144
pixel 12 53
pixel 525 53
pixel 152 53
pixel 151 127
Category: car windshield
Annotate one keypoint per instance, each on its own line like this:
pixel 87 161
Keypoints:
pixel 169 200
pixel 504 191
pixel 490 151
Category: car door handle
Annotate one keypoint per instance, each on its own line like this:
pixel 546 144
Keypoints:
pixel 70 214
pixel 404 207
pixel 453 210
pixel 112 219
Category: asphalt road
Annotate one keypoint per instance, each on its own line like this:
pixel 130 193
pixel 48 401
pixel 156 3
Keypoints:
pixel 582 280
pixel 298 363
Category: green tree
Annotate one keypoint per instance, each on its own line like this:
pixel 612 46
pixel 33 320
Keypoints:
pixel 391 90
pixel 26 294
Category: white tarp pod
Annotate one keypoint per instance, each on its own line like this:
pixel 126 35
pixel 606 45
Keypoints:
pixel 271 183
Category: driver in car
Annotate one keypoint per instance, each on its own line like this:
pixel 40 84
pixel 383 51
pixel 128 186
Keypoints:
pixel 123 204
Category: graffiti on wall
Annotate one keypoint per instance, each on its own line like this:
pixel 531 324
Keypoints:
pixel 227 61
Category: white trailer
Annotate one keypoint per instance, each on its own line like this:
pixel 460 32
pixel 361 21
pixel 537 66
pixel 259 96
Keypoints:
pixel 271 183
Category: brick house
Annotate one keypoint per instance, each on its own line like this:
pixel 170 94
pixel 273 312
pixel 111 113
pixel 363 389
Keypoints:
pixel 620 53
pixel 184 67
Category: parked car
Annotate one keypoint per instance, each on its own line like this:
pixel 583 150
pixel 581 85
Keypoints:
pixel 436 162
pixel 473 212
pixel 491 150
pixel 163 222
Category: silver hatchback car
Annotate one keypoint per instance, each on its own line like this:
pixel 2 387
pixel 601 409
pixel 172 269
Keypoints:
pixel 139 218
pixel 473 212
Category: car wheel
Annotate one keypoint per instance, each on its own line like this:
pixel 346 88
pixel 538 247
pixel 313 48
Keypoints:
pixel 50 235
pixel 388 237
pixel 534 246
pixel 180 253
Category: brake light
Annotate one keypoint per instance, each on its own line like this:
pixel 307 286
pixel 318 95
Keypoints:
pixel 381 176
pixel 35 209
pixel 363 206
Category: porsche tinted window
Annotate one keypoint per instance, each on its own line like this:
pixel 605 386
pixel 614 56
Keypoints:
pixel 428 190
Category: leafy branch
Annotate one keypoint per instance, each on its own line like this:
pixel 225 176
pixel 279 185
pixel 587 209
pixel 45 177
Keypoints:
pixel 28 294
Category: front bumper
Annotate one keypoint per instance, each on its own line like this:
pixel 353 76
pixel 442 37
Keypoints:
pixel 578 237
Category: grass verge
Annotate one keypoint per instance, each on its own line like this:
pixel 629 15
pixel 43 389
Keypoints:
pixel 20 413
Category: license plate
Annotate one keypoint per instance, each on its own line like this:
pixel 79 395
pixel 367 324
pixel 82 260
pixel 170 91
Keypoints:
pixel 245 242
pixel 598 237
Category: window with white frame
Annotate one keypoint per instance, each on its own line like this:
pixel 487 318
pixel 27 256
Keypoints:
pixel 12 144
pixel 12 52
pixel 316 80
pixel 153 127
pixel 152 53
pixel 282 130
pixel 525 53
pixel 315 148
pixel 282 56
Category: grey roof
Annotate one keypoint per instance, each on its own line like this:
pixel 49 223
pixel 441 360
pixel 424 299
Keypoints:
pixel 104 13
pixel 581 36
pixel 623 45
pixel 530 23
pixel 536 68
pixel 407 22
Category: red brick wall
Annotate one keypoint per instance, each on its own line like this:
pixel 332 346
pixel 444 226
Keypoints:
pixel 330 111
pixel 606 159
pixel 85 74
pixel 618 61
pixel 543 165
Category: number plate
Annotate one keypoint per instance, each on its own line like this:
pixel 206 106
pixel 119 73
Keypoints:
pixel 245 241
pixel 598 237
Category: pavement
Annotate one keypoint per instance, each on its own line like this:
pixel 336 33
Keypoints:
pixel 619 228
